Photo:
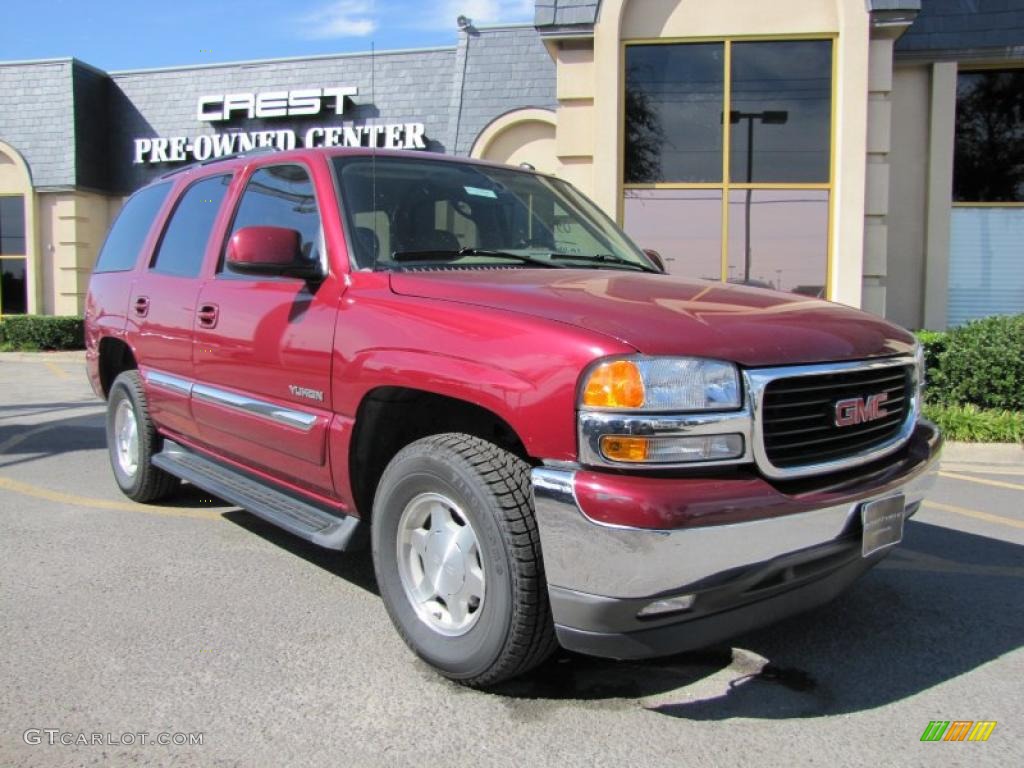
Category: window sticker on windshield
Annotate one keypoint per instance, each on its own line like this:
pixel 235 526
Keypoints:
pixel 480 192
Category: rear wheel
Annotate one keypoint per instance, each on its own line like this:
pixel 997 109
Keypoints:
pixel 458 560
pixel 132 440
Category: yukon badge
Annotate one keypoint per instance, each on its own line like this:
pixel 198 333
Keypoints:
pixel 310 394
pixel 860 410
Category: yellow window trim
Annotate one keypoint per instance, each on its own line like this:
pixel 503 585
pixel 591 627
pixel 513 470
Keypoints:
pixel 962 204
pixel 725 186
pixel 737 185
pixel 730 38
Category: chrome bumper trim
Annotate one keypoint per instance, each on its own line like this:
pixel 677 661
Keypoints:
pixel 583 555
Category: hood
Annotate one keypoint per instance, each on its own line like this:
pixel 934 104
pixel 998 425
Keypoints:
pixel 663 315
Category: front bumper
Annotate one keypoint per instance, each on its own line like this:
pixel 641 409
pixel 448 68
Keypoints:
pixel 749 552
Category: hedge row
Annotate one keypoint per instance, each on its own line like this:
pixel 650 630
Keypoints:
pixel 980 363
pixel 35 332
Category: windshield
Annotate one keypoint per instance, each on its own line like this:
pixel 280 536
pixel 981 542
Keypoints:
pixel 404 213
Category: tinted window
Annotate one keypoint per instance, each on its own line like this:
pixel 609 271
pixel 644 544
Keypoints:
pixel 12 225
pixel 282 196
pixel 121 249
pixel 183 245
pixel 778 238
pixel 781 112
pixel 674 98
pixel 776 131
pixel 13 288
pixel 683 225
pixel 988 166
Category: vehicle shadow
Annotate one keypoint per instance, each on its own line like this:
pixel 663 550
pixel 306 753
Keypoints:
pixel 23 443
pixel 355 567
pixel 18 410
pixel 943 604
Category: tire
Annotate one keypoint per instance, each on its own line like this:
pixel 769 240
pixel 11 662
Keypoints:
pixel 453 478
pixel 131 459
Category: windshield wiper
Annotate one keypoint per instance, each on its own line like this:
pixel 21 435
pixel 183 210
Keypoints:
pixel 602 258
pixel 452 255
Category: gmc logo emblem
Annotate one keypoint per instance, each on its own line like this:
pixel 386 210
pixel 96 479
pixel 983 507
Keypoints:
pixel 860 410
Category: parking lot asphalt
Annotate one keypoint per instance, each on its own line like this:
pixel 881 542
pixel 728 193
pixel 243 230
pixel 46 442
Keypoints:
pixel 195 618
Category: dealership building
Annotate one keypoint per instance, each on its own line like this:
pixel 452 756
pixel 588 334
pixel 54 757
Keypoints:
pixel 866 151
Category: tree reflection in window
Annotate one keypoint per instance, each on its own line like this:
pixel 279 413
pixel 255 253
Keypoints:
pixel 644 137
pixel 988 165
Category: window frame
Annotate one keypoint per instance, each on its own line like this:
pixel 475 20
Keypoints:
pixel 970 69
pixel 23 257
pixel 175 198
pixel 726 186
pixel 220 270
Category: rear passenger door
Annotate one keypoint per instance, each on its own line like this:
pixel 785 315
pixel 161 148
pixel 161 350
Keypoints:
pixel 162 306
pixel 262 349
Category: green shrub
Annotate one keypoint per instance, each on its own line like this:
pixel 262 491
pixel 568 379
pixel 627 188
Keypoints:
pixel 33 332
pixel 933 343
pixel 971 424
pixel 982 364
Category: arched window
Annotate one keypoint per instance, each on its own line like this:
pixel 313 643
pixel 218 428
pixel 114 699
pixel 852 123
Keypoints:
pixel 14 235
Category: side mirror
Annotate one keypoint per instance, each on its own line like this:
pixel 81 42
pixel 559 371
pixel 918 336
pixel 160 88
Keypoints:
pixel 270 251
pixel 655 257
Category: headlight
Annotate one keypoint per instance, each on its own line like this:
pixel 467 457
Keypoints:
pixel 662 384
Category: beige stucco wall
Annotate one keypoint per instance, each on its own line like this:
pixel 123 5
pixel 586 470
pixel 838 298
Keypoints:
pixel 908 181
pixel 939 195
pixel 589 133
pixel 875 283
pixel 72 227
pixel 522 136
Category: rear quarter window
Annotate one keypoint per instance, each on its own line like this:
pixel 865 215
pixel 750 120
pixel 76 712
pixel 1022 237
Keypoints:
pixel 120 251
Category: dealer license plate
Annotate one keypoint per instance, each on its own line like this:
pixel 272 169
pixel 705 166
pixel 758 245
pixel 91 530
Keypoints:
pixel 883 523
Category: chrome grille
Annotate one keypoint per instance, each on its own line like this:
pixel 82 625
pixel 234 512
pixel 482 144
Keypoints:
pixel 798 415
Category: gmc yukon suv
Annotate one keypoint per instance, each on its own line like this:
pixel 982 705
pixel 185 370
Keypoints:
pixel 544 438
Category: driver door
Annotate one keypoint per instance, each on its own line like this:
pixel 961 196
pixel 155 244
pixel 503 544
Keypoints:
pixel 262 344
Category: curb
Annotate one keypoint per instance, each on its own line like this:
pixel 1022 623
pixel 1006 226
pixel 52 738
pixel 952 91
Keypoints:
pixel 1000 454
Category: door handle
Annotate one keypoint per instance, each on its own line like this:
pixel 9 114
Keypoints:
pixel 208 315
pixel 142 306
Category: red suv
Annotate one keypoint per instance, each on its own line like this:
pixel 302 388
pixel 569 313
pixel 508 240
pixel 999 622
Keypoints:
pixel 546 439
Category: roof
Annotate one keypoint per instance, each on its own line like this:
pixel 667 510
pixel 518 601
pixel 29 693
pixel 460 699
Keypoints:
pixel 965 28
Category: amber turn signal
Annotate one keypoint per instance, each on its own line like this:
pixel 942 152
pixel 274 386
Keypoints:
pixel 619 448
pixel 616 384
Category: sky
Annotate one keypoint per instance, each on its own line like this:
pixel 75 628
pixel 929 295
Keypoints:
pixel 117 35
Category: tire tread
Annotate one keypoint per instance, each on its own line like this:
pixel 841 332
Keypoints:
pixel 531 637
pixel 154 483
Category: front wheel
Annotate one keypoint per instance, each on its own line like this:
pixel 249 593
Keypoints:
pixel 458 560
pixel 132 440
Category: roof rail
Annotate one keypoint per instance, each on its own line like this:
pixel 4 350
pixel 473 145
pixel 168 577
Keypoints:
pixel 223 158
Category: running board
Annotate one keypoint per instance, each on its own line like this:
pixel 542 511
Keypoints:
pixel 298 517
